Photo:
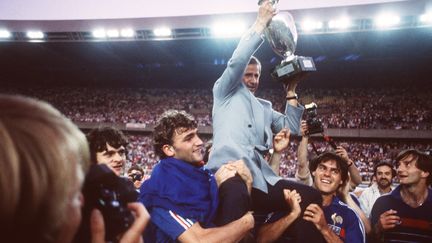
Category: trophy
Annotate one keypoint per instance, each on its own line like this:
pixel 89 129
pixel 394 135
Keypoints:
pixel 281 33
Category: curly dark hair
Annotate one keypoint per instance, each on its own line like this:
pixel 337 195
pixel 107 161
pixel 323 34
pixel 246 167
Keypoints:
pixel 169 122
pixel 342 165
pixel 99 137
pixel 424 161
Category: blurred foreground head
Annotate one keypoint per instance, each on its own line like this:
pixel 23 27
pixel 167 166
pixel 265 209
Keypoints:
pixel 43 156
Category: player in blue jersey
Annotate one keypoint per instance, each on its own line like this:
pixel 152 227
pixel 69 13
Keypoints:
pixel 335 220
pixel 181 195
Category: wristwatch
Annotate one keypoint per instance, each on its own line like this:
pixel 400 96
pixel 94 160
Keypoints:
pixel 295 96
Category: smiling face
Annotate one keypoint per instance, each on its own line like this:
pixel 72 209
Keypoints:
pixel 114 158
pixel 408 172
pixel 327 177
pixel 186 146
pixel 383 177
pixel 251 77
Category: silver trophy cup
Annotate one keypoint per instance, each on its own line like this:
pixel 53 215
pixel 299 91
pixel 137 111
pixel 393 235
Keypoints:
pixel 281 34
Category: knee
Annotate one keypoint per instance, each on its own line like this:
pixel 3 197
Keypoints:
pixel 234 188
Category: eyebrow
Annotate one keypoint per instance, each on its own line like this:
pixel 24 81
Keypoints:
pixel 331 168
pixel 114 151
pixel 189 136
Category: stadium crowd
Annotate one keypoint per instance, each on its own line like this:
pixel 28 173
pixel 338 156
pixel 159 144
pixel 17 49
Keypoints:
pixel 388 108
pixel 364 154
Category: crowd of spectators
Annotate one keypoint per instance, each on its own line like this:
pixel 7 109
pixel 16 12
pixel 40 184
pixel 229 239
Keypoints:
pixel 364 154
pixel 389 108
pixel 337 108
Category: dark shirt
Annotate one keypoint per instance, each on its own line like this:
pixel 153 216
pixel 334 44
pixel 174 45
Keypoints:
pixel 415 224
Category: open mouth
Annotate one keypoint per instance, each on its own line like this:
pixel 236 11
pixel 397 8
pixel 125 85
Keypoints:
pixel 118 167
pixel 326 181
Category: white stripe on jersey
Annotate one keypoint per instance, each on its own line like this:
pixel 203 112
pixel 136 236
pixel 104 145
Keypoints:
pixel 185 223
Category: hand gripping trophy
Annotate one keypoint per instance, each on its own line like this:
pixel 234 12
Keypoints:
pixel 281 33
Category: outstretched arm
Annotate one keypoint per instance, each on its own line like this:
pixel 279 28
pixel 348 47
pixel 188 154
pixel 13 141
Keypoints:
pixel 303 173
pixel 231 78
pixel 232 232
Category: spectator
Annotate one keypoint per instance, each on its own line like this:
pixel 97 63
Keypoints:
pixel 136 176
pixel 405 214
pixel 384 174
pixel 108 146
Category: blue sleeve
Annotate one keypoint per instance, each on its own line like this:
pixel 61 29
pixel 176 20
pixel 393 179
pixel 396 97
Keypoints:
pixel 169 223
pixel 355 232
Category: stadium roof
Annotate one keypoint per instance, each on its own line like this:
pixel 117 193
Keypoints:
pixel 359 58
pixel 82 15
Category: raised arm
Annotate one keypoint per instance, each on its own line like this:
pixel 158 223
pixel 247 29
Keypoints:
pixel 303 173
pixel 352 168
pixel 231 78
pixel 346 197
pixel 280 143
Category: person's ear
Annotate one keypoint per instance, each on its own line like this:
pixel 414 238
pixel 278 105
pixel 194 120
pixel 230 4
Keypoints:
pixel 425 174
pixel 168 150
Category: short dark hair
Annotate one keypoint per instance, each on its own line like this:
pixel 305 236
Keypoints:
pixel 384 163
pixel 424 161
pixel 99 137
pixel 254 60
pixel 168 123
pixel 135 167
pixel 342 165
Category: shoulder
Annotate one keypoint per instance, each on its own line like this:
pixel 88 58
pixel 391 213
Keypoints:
pixel 384 201
pixel 341 209
pixel 345 209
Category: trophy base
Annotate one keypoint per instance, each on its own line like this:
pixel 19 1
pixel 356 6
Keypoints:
pixel 288 71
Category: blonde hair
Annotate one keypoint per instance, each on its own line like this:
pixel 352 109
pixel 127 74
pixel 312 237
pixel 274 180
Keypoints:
pixel 40 151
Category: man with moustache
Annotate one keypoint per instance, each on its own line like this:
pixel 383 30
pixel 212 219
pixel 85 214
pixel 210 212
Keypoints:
pixel 405 214
pixel 384 173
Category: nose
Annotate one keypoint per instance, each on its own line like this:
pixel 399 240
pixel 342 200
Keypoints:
pixel 117 157
pixel 199 142
pixel 327 172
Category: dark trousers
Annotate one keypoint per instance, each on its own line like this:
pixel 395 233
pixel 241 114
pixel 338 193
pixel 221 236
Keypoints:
pixel 235 202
